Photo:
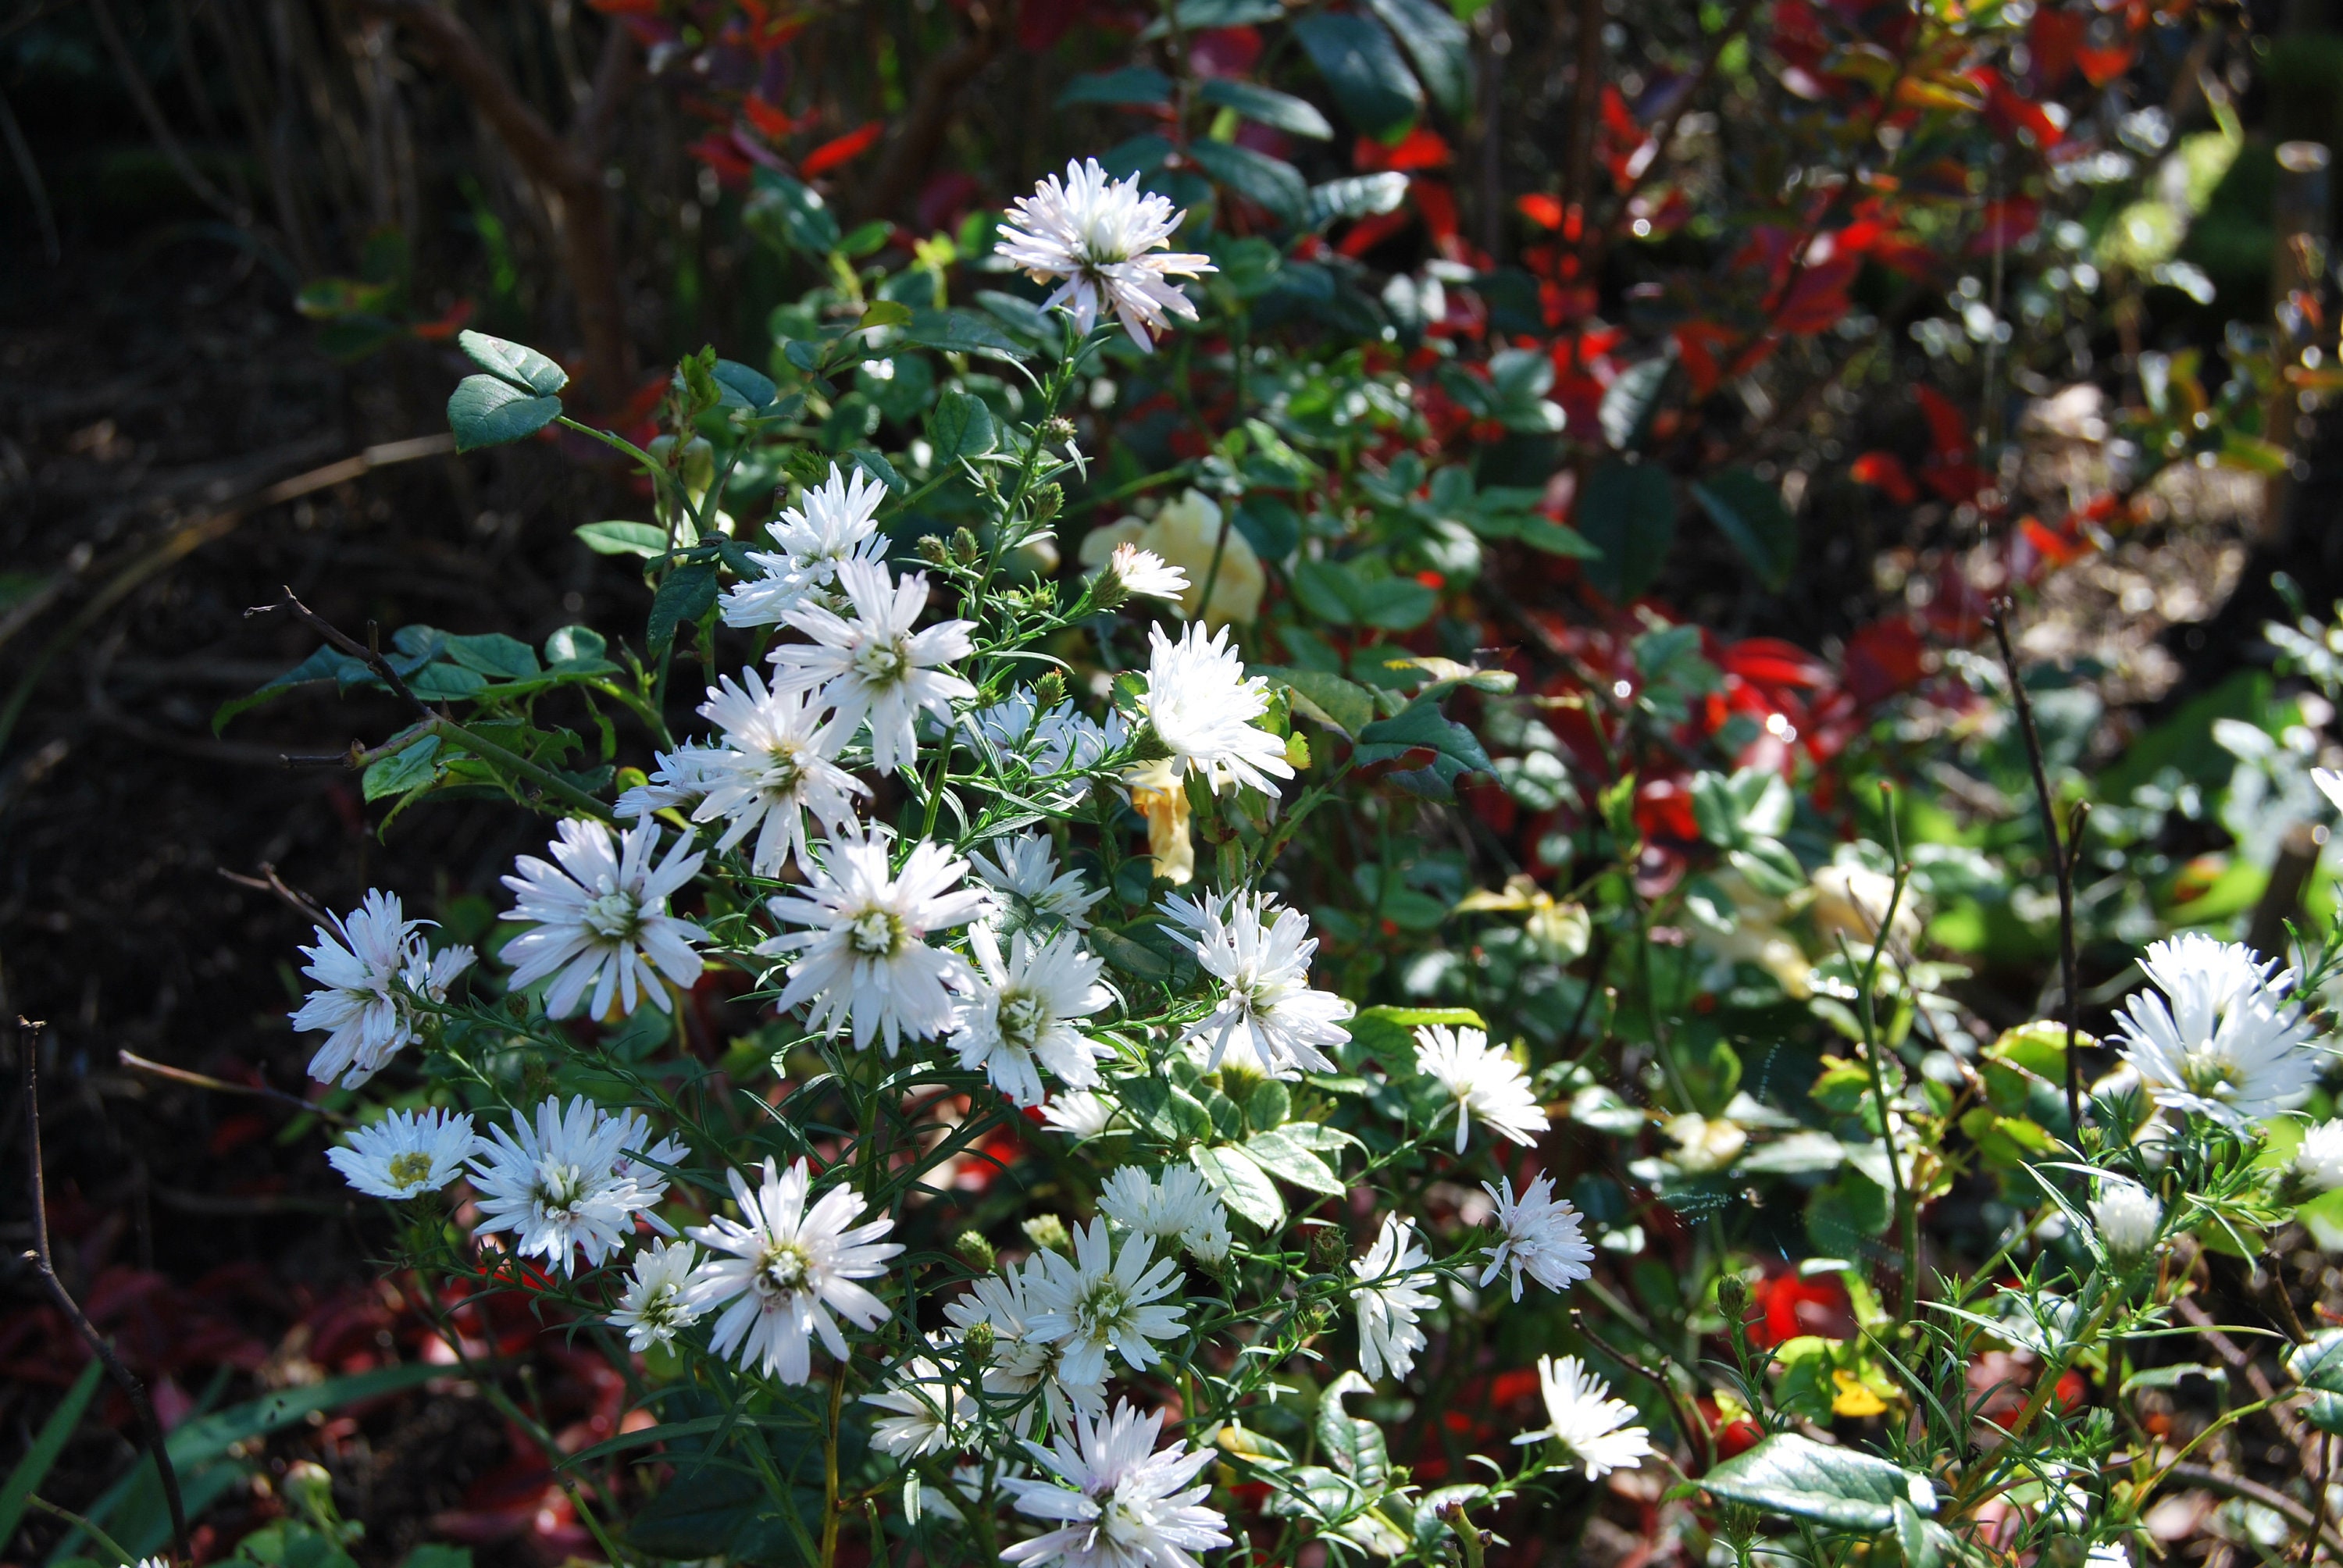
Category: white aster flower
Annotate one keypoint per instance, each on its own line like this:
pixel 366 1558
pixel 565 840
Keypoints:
pixel 2225 1041
pixel 1078 1112
pixel 776 767
pixel 1029 891
pixel 867 960
pixel 358 966
pixel 1589 1426
pixel 1025 1011
pixel 1201 706
pixel 1095 238
pixel 1175 1206
pixel 1118 1501
pixel 683 777
pixel 563 1184
pixel 601 920
pixel 1541 1237
pixel 657 1300
pixel 2318 1159
pixel 875 666
pixel 1019 1365
pixel 931 1410
pixel 1393 1291
pixel 786 1268
pixel 1134 573
pixel 1483 1082
pixel 1268 1017
pixel 836 522
pixel 2128 1218
pixel 1103 1300
pixel 406 1153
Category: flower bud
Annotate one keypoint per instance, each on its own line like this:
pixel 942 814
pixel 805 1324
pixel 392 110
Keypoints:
pixel 1047 1231
pixel 1328 1248
pixel 1050 690
pixel 979 1338
pixel 975 1250
pixel 1733 1299
pixel 1060 429
pixel 965 547
pixel 933 550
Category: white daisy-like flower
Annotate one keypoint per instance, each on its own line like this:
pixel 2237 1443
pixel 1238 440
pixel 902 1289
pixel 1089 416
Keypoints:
pixel 875 666
pixel 1585 1422
pixel 1024 1013
pixel 1268 1018
pixel 1078 1112
pixel 601 920
pixel 867 961
pixel 358 966
pixel 2225 1041
pixel 1202 705
pixel 1097 239
pixel 557 1183
pixel 777 767
pixel 786 1268
pixel 406 1153
pixel 1103 1300
pixel 2319 1158
pixel 1484 1082
pixel 682 779
pixel 657 1300
pixel 1118 1501
pixel 1134 573
pixel 1541 1237
pixel 836 522
pixel 1393 1290
pixel 1019 1366
pixel 1175 1207
pixel 1029 891
pixel 932 1408
pixel 2128 1217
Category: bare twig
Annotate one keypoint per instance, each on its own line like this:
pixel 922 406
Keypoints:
pixel 137 1063
pixel 1694 1429
pixel 268 882
pixel 2276 1502
pixel 150 1431
pixel 2062 857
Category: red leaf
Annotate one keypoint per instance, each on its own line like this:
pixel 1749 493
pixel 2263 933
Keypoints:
pixel 2006 222
pixel 1370 232
pixel 1436 205
pixel 772 124
pixel 1948 427
pixel 1545 211
pixel 1042 23
pixel 447 325
pixel 1421 148
pixel 832 154
pixel 1769 661
pixel 2053 37
pixel 1882 660
pixel 1885 472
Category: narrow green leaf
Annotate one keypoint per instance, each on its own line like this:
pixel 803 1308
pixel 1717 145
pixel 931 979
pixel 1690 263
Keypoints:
pixel 623 538
pixel 17 1495
pixel 1268 106
pixel 409 767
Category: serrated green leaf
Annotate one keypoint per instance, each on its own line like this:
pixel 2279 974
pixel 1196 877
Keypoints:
pixel 407 769
pixel 1341 705
pixel 485 411
pixel 514 362
pixel 1240 1183
pixel 689 593
pixel 1837 1488
pixel 1268 106
pixel 1421 726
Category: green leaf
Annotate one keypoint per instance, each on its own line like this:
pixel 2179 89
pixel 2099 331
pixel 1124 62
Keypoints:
pixel 1438 45
pixel 1240 1183
pixel 1356 196
pixel 445 682
pixel 1340 593
pixel 880 469
pixel 1131 84
pixel 1270 527
pixel 1630 401
pixel 523 366
pixel 1378 93
pixel 1341 705
pixel 689 593
pixel 2318 1364
pixel 1545 534
pixel 741 387
pixel 1268 1104
pixel 884 313
pixel 1164 1109
pixel 789 215
pixel 1268 106
pixel 1837 1488
pixel 1749 511
pixel 623 538
pixel 495 655
pixel 1355 1444
pixel 325 664
pixel 960 332
pixel 23 1481
pixel 1421 726
pixel 960 426
pixel 1139 155
pixel 1276 184
pixel 1279 1153
pixel 1626 511
pixel 484 411
pixel 409 767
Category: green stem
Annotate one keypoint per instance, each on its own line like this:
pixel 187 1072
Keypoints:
pixel 67 1517
pixel 489 751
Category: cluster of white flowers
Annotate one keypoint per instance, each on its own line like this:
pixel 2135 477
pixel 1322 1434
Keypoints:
pixel 370 969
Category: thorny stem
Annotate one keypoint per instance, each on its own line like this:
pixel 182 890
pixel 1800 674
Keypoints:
pixel 150 1431
pixel 2062 858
